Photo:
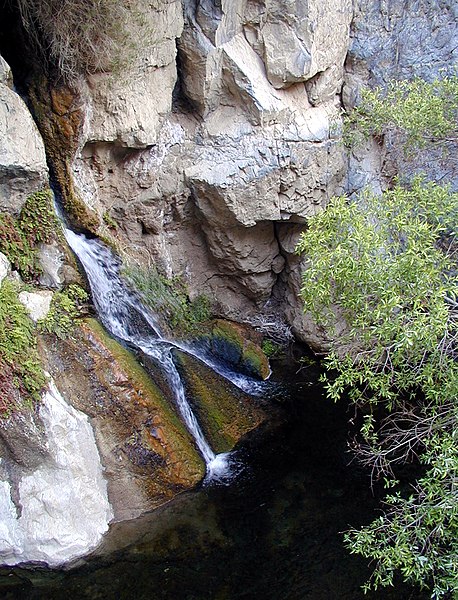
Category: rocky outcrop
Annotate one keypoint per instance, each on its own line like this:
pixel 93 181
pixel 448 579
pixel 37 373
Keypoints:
pixel 252 140
pixel 56 508
pixel 395 41
pixel 148 454
pixel 23 167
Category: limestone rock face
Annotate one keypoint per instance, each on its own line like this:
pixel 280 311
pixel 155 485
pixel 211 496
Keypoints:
pixel 37 303
pixel 252 140
pixel 23 167
pixel 128 108
pixel 300 40
pixel 56 510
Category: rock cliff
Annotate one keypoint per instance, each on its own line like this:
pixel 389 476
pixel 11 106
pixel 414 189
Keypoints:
pixel 204 155
pixel 210 171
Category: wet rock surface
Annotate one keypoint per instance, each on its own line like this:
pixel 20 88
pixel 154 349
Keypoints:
pixel 147 453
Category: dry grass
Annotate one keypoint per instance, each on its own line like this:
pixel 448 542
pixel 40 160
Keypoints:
pixel 85 36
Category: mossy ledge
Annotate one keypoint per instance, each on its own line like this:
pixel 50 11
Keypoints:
pixel 225 413
pixel 231 342
pixel 148 454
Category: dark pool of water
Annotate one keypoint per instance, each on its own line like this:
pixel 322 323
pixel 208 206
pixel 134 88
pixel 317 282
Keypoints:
pixel 272 534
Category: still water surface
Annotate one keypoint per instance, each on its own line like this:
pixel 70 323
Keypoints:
pixel 274 533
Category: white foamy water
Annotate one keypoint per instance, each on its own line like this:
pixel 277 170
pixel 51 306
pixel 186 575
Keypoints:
pixel 126 317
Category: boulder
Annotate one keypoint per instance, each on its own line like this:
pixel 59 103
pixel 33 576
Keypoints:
pixel 37 303
pixel 23 168
pixel 5 267
pixel 58 510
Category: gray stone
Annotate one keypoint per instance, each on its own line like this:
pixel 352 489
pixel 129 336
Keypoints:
pixel 5 267
pixel 60 509
pixel 6 76
pixel 23 167
pixel 51 260
pixel 37 303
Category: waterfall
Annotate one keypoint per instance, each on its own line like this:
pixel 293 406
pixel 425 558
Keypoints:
pixel 124 316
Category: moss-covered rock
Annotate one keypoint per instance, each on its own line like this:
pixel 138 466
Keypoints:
pixel 148 454
pixel 224 412
pixel 59 114
pixel 238 345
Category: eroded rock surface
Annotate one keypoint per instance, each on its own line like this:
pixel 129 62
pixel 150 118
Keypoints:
pixel 148 454
pixel 252 140
pixel 54 509
pixel 23 168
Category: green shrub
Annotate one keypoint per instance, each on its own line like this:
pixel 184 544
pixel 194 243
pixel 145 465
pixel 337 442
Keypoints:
pixel 422 111
pixel 20 365
pixel 169 299
pixel 66 307
pixel 270 348
pixel 378 263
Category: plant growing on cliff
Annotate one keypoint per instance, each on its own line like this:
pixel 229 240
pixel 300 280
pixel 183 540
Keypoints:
pixel 423 112
pixel 66 307
pixel 386 265
pixel 20 237
pixel 21 374
pixel 83 37
pixel 169 298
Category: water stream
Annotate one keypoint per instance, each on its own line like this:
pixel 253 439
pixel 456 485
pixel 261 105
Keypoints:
pixel 126 317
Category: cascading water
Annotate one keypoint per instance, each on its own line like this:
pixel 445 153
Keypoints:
pixel 124 315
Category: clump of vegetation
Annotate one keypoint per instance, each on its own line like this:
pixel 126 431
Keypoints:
pixel 84 37
pixel 66 307
pixel 21 374
pixel 169 298
pixel 109 221
pixel 19 237
pixel 387 265
pixel 271 349
pixel 423 112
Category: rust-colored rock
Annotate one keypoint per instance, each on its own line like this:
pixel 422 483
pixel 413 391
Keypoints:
pixel 148 454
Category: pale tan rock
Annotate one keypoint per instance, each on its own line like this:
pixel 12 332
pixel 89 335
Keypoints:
pixel 5 267
pixel 23 167
pixel 128 108
pixel 37 303
pixel 300 39
pixel 203 195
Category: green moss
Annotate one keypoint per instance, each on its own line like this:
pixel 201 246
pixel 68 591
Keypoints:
pixel 80 215
pixel 255 361
pixel 228 341
pixel 20 237
pixel 66 307
pixel 224 413
pixel 140 380
pixel 22 376
pixel 169 298
pixel 109 221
